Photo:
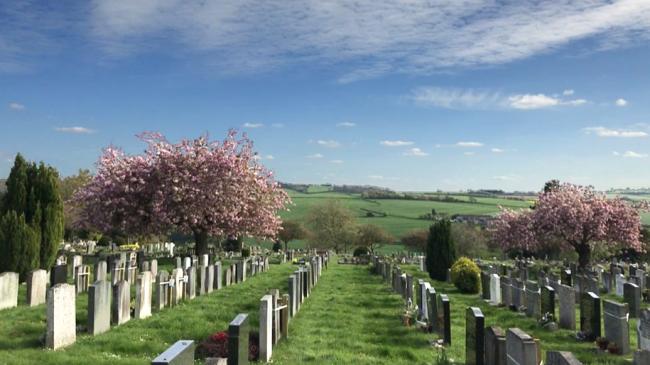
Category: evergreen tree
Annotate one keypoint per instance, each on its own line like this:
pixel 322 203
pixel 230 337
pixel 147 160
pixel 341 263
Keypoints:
pixel 440 250
pixel 19 244
pixel 16 197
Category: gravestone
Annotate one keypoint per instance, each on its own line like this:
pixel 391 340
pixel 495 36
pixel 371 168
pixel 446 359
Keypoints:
pixel 474 336
pixel 409 288
pixel 533 308
pixel 518 294
pixel 8 289
pixel 607 281
pixel 548 301
pixel 143 295
pixel 121 306
pixel 643 330
pixel 179 263
pixel 36 288
pixel 153 267
pixel 521 349
pixel 423 300
pixel 445 325
pixel 218 276
pixel 567 302
pixel 228 276
pixel 642 357
pixel 495 289
pixel 201 279
pixel 82 278
pixel 432 308
pixel 180 353
pixel 100 271
pixel 506 291
pixel 162 296
pixel 190 289
pixel 565 277
pixel 59 274
pixel 187 263
pixel 632 296
pixel 292 295
pixel 266 328
pixel 61 316
pixel 620 281
pixel 485 285
pixel 590 316
pixel 617 327
pixel 495 346
pixel 99 307
pixel 238 340
pixel 561 358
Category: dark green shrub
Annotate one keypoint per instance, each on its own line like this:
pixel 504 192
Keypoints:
pixel 466 276
pixel 360 251
pixel 19 245
pixel 277 246
pixel 440 250
pixel 245 252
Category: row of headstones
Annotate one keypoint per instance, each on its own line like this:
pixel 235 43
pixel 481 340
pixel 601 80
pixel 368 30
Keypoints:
pixel 110 304
pixel 434 309
pixel 538 302
pixel 275 313
pixel 274 316
pixel 492 346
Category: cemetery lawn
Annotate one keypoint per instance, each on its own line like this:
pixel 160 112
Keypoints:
pixel 138 341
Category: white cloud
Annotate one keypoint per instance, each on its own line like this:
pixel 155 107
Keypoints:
pixel 315 155
pixel 253 125
pixel 277 125
pixel 617 133
pixel 630 154
pixel 74 130
pixel 575 102
pixel 469 153
pixel 532 101
pixel 497 150
pixel 454 98
pixel 621 102
pixel 469 144
pixel 16 106
pixel 568 92
pixel 336 161
pixel 415 151
pixel 346 124
pixel 371 37
pixel 397 143
pixel 328 143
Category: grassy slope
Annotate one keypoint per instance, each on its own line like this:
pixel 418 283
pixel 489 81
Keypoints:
pixel 354 318
pixel 137 341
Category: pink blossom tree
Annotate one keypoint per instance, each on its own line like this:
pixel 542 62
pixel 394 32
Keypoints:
pixel 578 217
pixel 200 187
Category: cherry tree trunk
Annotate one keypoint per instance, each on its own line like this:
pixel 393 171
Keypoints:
pixel 201 243
pixel 584 255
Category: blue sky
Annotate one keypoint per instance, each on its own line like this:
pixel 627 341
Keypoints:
pixel 413 95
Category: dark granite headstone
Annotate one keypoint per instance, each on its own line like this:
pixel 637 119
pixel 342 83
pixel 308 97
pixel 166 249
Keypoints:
pixel 590 316
pixel 632 296
pixel 59 275
pixel 548 301
pixel 444 326
pixel 495 346
pixel 617 327
pixel 474 336
pixel 238 340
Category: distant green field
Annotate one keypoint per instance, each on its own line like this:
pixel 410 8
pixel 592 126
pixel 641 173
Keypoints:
pixel 401 215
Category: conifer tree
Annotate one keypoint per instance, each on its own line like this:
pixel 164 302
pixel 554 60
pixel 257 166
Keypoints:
pixel 440 250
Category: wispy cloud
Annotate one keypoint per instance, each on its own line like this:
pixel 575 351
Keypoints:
pixel 497 150
pixel 16 106
pixel 75 130
pixel 630 154
pixel 416 152
pixel 336 161
pixel 455 98
pixel 253 125
pixel 621 102
pixel 328 143
pixel 346 124
pixel 615 133
pixel 469 144
pixel 568 92
pixel 372 37
pixel 315 156
pixel 396 143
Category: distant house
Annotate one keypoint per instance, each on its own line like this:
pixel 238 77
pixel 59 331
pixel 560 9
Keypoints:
pixel 480 220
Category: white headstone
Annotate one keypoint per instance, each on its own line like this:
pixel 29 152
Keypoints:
pixel 61 316
pixel 8 290
pixel 266 328
pixel 36 287
pixel 495 289
pixel 143 295
pixel 620 281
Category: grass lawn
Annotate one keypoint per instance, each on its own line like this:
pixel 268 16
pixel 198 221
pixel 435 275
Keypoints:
pixel 138 341
pixel 352 317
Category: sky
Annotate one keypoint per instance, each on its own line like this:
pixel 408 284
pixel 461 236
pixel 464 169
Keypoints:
pixel 407 94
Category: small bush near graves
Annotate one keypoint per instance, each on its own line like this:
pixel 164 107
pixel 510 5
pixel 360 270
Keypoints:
pixel 360 251
pixel 277 246
pixel 466 276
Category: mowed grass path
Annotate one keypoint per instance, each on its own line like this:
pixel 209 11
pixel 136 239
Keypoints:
pixel 138 341
pixel 352 317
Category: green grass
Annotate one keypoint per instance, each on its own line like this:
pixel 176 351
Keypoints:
pixel 138 341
